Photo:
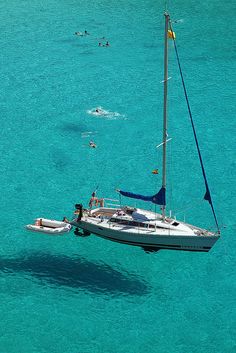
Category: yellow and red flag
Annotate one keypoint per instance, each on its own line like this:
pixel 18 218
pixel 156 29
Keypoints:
pixel 171 34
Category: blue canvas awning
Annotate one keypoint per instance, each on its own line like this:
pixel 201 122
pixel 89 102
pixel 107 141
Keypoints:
pixel 158 199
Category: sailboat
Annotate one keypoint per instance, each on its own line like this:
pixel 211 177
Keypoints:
pixel 144 228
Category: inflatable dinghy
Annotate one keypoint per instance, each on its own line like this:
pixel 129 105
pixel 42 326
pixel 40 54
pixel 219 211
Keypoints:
pixel 49 226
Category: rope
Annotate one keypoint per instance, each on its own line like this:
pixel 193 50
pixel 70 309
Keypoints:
pixel 170 175
pixel 120 131
pixel 189 206
pixel 207 194
pixel 105 164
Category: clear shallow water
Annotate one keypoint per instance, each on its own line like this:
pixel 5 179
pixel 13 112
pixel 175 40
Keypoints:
pixel 87 295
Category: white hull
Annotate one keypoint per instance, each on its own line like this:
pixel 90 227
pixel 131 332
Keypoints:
pixel 49 226
pixel 186 238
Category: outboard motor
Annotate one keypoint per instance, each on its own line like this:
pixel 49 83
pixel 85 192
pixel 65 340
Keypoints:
pixel 79 207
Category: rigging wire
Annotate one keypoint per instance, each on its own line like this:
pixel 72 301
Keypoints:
pixel 170 175
pixel 98 183
pixel 207 194
pixel 115 137
pixel 189 206
pixel 166 5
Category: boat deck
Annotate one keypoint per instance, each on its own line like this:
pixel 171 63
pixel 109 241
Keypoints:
pixel 103 212
pixel 154 224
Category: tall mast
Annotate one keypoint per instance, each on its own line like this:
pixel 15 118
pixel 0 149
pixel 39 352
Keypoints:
pixel 167 18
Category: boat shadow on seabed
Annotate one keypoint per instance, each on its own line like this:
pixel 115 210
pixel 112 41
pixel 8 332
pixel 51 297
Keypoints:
pixel 76 273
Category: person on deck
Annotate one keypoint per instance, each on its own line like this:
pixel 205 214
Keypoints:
pixel 95 201
pixel 100 202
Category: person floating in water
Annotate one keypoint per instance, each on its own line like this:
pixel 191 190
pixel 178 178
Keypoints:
pixel 104 45
pixel 82 34
pixel 97 110
pixel 92 144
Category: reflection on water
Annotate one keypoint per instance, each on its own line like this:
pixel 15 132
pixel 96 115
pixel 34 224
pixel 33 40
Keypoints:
pixel 73 127
pixel 87 52
pixel 76 272
pixel 60 159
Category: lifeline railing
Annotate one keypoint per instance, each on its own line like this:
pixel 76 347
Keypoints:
pixel 111 202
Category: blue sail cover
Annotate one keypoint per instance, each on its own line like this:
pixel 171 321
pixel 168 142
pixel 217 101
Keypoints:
pixel 158 199
pixel 207 195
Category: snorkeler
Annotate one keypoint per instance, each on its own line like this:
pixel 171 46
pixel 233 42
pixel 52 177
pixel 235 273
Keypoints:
pixel 92 144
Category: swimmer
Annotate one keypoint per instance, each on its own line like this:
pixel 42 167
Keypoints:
pixel 106 45
pixel 86 33
pixel 99 111
pixel 92 144
pixel 78 34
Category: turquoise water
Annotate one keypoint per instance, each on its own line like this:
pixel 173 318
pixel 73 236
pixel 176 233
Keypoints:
pixel 72 295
